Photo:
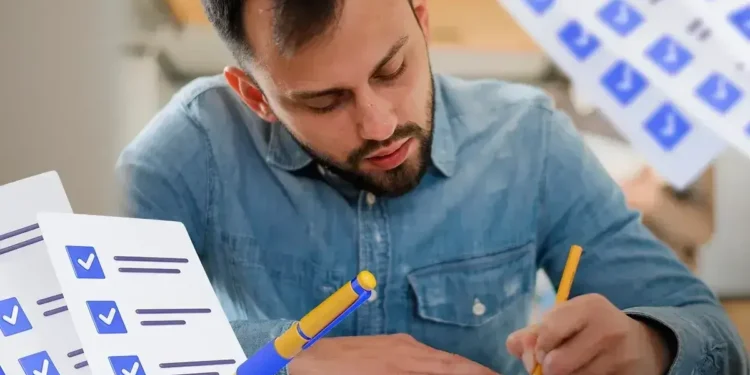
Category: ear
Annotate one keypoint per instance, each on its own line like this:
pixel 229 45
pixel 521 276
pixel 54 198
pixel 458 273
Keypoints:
pixel 249 93
pixel 420 11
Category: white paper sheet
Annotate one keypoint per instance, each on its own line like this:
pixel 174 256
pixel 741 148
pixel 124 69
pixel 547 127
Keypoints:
pixel 139 297
pixel 36 330
pixel 660 70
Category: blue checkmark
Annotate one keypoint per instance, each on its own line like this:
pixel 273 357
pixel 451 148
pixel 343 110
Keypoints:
pixel 621 17
pixel 579 42
pixel 38 364
pixel 127 365
pixel 719 93
pixel 85 262
pixel 540 6
pixel 13 319
pixel 667 126
pixel 669 55
pixel 741 20
pixel 107 318
pixel 624 82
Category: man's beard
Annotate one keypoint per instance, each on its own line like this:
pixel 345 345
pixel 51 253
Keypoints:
pixel 394 182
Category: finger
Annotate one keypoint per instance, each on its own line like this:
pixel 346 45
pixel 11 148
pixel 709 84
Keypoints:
pixel 573 354
pixel 562 322
pixel 601 364
pixel 516 342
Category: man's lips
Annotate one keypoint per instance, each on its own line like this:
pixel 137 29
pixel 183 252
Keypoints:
pixel 388 150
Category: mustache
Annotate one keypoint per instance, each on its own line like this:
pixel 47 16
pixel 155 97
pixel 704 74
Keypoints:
pixel 409 129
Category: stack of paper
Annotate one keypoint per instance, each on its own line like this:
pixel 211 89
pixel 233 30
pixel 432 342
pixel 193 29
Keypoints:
pixel 102 295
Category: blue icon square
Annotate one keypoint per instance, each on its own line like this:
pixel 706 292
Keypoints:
pixel 669 55
pixel 1 371
pixel 668 126
pixel 621 17
pixel 13 319
pixel 38 364
pixel 747 131
pixel 85 262
pixel 719 93
pixel 741 20
pixel 127 365
pixel 578 41
pixel 540 6
pixel 624 82
pixel 106 317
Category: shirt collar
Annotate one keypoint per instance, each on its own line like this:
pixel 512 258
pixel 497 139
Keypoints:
pixel 285 152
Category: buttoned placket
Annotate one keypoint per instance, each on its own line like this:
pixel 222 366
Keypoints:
pixel 374 255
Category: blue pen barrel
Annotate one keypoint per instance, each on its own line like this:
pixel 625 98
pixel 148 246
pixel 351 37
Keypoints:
pixel 266 361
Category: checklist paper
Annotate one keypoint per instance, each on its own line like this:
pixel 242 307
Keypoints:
pixel 672 76
pixel 139 297
pixel 37 336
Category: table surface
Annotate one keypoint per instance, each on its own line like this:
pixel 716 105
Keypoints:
pixel 739 312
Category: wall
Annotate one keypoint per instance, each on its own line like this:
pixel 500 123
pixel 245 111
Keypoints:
pixel 59 72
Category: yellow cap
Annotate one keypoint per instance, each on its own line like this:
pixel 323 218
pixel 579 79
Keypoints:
pixel 367 280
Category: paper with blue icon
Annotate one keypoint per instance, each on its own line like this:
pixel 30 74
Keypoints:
pixel 672 76
pixel 139 297
pixel 37 335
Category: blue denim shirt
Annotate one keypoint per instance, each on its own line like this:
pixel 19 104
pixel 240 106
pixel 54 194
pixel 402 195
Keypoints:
pixel 511 187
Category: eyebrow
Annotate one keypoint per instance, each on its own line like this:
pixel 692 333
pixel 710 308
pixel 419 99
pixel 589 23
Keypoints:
pixel 302 95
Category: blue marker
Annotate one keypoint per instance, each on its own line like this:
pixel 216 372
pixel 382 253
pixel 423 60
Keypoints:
pixel 273 357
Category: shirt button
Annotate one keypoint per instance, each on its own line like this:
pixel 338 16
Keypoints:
pixel 373 296
pixel 370 199
pixel 479 308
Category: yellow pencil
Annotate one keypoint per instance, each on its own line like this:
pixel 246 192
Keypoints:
pixel 563 292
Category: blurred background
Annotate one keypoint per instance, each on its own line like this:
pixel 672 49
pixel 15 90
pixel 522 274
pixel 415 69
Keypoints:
pixel 79 79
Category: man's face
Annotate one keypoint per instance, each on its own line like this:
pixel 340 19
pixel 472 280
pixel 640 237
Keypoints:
pixel 358 98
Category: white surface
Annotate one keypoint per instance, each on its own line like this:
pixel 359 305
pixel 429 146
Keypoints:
pixel 203 337
pixel 618 158
pixel 709 132
pixel 27 275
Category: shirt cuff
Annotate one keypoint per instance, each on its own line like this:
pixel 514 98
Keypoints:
pixel 695 351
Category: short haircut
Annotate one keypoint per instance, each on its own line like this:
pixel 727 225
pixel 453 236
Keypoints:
pixel 295 23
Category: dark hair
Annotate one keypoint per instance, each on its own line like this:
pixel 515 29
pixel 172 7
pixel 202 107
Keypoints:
pixel 295 22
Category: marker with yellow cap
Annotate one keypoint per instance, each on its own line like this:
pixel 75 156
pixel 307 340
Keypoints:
pixel 271 358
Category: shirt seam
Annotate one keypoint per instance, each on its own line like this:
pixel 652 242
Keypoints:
pixel 210 164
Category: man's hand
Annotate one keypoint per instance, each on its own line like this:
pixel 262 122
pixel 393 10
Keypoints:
pixel 589 335
pixel 398 354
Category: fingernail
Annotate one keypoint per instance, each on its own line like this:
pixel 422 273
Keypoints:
pixel 540 356
pixel 528 361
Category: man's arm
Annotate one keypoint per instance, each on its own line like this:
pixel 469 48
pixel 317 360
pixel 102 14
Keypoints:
pixel 165 175
pixel 623 261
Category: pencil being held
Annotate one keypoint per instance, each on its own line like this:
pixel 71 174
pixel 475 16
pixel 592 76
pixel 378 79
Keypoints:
pixel 589 335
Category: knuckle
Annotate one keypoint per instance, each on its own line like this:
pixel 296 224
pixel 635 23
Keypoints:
pixel 404 338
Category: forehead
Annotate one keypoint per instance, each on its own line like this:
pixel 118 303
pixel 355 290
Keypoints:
pixel 357 39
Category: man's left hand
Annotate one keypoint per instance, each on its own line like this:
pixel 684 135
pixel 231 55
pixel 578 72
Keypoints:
pixel 589 335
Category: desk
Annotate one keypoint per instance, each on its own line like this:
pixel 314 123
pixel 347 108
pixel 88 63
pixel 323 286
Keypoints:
pixel 739 312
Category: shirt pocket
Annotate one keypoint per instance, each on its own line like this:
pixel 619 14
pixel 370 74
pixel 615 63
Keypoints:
pixel 473 292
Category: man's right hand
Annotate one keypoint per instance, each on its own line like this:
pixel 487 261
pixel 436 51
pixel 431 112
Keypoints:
pixel 397 354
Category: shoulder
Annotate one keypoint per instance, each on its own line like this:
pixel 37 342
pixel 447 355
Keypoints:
pixel 186 132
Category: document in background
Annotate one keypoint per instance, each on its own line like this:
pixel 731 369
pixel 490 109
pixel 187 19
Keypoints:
pixel 660 71
pixel 37 336
pixel 139 297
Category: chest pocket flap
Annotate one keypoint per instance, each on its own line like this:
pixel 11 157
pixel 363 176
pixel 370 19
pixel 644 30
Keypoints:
pixel 471 292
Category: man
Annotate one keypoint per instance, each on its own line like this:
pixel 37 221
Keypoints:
pixel 332 148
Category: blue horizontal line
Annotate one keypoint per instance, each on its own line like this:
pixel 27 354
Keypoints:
pixel 21 245
pixel 19 232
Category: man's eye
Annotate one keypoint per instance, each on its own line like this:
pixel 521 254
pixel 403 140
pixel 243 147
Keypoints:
pixel 323 106
pixel 391 75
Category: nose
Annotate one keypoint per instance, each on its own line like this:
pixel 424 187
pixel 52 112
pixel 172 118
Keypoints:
pixel 378 120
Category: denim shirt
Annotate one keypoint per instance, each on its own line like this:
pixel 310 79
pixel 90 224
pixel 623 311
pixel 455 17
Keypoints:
pixel 510 188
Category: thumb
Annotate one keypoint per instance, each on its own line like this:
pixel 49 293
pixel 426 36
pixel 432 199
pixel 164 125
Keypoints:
pixel 522 340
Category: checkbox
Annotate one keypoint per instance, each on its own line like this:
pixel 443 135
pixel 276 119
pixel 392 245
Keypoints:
pixel 13 319
pixel 1 371
pixel 107 318
pixel 127 365
pixel 85 262
pixel 38 364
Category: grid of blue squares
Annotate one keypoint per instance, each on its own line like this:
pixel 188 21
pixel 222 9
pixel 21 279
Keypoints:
pixel 667 126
